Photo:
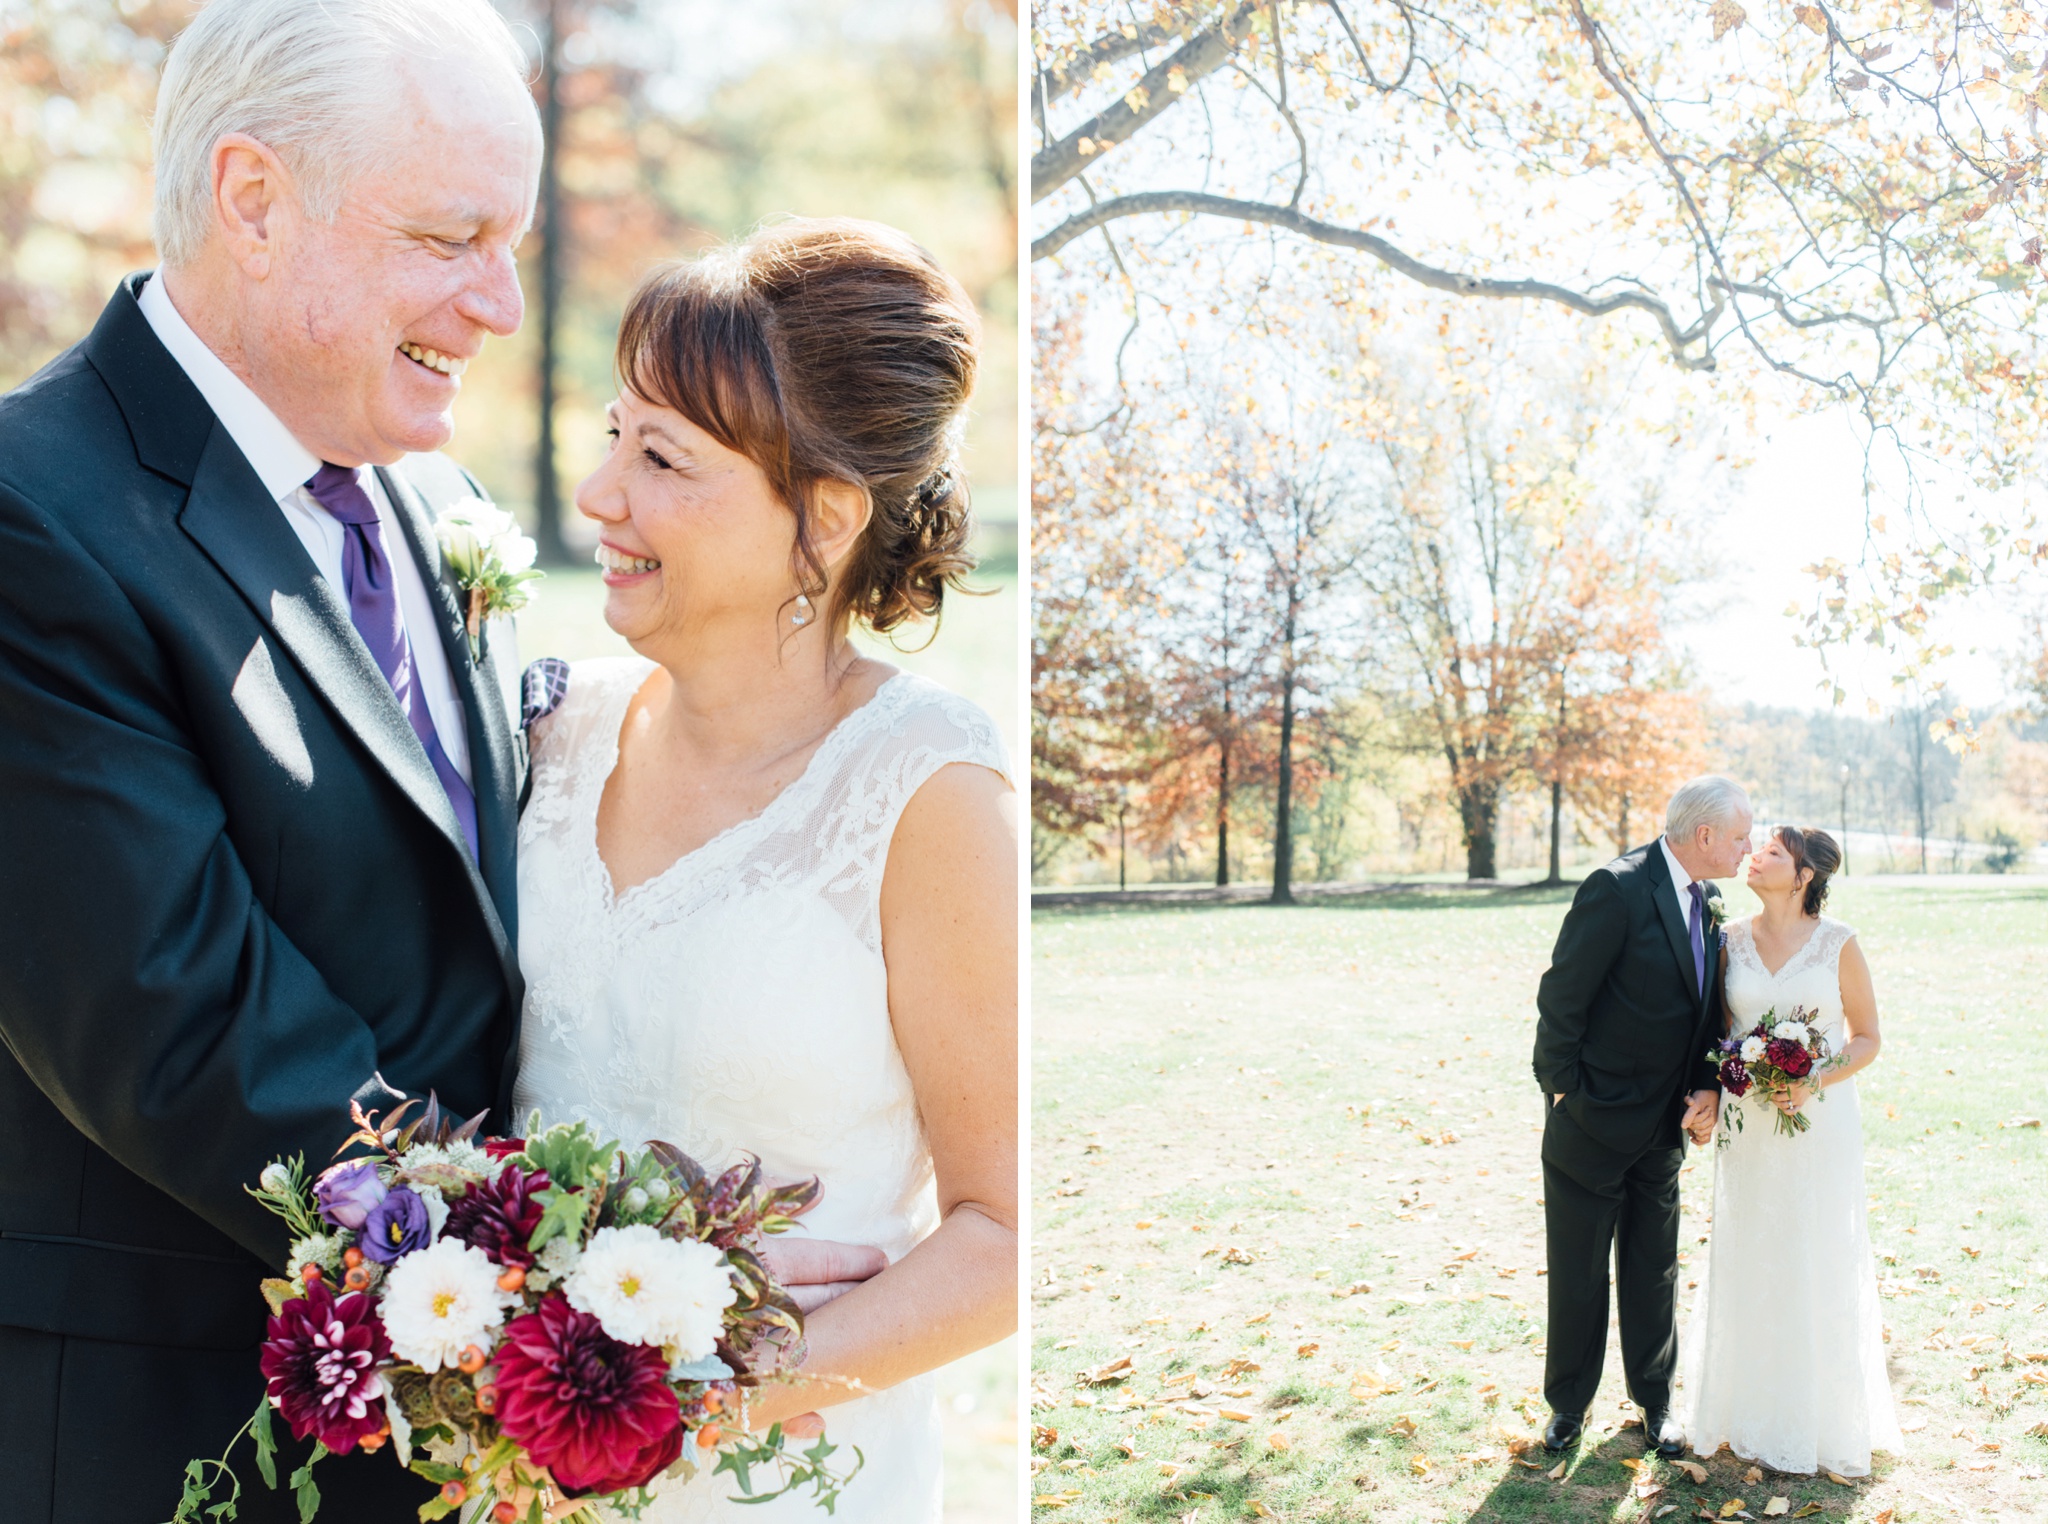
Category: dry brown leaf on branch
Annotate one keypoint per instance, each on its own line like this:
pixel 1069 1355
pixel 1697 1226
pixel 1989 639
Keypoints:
pixel 1811 17
pixel 1726 16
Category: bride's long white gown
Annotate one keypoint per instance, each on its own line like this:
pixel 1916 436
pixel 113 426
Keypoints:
pixel 738 1003
pixel 1784 1356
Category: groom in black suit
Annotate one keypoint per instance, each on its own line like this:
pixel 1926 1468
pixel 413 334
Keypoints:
pixel 257 792
pixel 1625 1014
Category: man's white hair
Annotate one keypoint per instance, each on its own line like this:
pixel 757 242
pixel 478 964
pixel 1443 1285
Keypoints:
pixel 315 81
pixel 1709 801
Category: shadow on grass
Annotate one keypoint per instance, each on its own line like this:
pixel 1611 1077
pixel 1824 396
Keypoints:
pixel 1595 1486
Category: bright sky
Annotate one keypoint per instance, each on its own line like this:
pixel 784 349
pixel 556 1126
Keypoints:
pixel 1801 501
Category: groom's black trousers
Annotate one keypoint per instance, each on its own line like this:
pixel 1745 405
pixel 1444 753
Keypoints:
pixel 112 1446
pixel 1596 1199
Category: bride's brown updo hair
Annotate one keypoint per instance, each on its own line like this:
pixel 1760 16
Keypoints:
pixel 827 350
pixel 1811 848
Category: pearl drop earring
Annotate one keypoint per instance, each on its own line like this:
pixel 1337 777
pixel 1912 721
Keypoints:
pixel 802 616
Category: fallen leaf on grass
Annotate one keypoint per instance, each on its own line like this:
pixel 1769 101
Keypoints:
pixel 1645 1489
pixel 1777 1506
pixel 1259 1510
pixel 2039 1430
pixel 1556 1472
pixel 1055 1499
pixel 1235 1415
pixel 1631 1463
pixel 1262 1317
pixel 1732 1507
pixel 1807 1511
pixel 1403 1426
pixel 1839 1481
pixel 1130 1451
pixel 1462 1343
pixel 1119 1369
pixel 1278 1441
pixel 1419 1464
pixel 1753 1475
pixel 1303 1351
pixel 1692 1469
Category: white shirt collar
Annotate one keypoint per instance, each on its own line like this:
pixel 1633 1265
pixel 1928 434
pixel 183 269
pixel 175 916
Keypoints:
pixel 281 462
pixel 1680 879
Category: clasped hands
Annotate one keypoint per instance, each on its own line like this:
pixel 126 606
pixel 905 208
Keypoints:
pixel 1702 1115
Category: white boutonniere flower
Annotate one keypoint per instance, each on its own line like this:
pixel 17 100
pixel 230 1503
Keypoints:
pixel 492 561
pixel 1717 911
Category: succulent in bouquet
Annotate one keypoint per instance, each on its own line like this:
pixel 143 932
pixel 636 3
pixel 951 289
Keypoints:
pixel 532 1324
pixel 1772 1058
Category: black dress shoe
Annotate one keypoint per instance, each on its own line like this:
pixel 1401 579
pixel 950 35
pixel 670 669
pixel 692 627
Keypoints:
pixel 1564 1430
pixel 1662 1433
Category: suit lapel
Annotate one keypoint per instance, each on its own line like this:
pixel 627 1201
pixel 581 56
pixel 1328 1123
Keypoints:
pixel 493 766
pixel 238 525
pixel 1675 930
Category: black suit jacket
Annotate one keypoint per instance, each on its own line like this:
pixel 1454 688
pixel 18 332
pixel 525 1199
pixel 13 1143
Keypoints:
pixel 231 886
pixel 1622 1026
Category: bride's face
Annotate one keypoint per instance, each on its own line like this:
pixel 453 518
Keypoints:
pixel 1770 868
pixel 691 534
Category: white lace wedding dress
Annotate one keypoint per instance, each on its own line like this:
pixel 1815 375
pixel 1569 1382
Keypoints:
pixel 738 1002
pixel 1784 1355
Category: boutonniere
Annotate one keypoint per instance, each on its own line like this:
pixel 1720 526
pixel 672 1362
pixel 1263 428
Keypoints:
pixel 1717 911
pixel 492 562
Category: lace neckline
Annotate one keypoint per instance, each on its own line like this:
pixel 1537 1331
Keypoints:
pixel 792 794
pixel 1814 939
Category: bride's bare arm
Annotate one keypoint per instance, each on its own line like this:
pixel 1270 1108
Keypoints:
pixel 1859 1015
pixel 949 938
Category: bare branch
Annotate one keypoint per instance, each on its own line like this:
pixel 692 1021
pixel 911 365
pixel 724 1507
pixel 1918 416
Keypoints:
pixel 1057 163
pixel 1680 340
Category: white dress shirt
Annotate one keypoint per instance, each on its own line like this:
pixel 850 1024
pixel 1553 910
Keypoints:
pixel 284 466
pixel 1681 885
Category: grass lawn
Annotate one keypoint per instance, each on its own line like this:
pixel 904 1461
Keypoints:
pixel 1285 1165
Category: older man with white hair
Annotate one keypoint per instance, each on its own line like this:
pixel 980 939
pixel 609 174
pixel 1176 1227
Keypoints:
pixel 1625 1015
pixel 257 788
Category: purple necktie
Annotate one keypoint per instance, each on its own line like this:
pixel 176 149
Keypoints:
pixel 373 605
pixel 1699 940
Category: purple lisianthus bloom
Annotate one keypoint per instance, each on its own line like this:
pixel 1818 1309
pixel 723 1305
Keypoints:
pixel 396 1225
pixel 347 1193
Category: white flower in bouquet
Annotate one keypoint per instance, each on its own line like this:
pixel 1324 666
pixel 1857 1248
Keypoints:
pixel 1752 1049
pixel 1790 1031
pixel 439 1300
pixel 647 1289
pixel 463 1156
pixel 322 1249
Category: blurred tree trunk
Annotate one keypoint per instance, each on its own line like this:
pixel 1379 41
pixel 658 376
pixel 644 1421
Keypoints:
pixel 547 500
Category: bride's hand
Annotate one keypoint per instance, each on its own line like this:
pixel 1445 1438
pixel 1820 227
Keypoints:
pixel 1793 1100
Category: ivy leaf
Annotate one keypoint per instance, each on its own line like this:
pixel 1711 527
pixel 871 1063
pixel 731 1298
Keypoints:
pixel 266 1444
pixel 562 1213
pixel 304 1489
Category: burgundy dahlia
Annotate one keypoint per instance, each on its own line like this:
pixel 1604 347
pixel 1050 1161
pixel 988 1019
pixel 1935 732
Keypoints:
pixel 597 1413
pixel 1789 1056
pixel 504 1148
pixel 320 1356
pixel 1735 1076
pixel 499 1216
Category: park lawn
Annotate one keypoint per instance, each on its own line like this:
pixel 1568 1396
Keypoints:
pixel 1285 1163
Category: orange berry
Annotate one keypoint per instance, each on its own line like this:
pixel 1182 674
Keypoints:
pixel 707 1437
pixel 514 1279
pixel 310 1273
pixel 714 1402
pixel 357 1279
pixel 454 1494
pixel 371 1442
pixel 487 1398
pixel 472 1361
pixel 505 1513
pixel 351 1256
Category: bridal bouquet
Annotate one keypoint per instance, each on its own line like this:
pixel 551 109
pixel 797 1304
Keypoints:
pixel 538 1326
pixel 1771 1058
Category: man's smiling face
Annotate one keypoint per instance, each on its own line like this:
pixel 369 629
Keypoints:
pixel 364 325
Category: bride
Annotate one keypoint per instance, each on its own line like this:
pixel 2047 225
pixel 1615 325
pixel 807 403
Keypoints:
pixel 1784 1358
pixel 768 884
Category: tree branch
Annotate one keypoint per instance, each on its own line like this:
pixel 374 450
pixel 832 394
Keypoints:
pixel 1057 163
pixel 1109 48
pixel 1680 340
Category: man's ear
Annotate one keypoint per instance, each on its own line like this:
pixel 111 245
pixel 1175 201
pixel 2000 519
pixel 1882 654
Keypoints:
pixel 250 184
pixel 840 512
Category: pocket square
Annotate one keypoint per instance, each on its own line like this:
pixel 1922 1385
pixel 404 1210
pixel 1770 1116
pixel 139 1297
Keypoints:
pixel 542 688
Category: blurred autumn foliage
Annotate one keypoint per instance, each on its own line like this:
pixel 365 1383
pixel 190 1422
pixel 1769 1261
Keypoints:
pixel 680 125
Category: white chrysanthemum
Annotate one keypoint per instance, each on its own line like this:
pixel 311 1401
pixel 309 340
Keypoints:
pixel 1790 1031
pixel 1752 1049
pixel 647 1289
pixel 439 1300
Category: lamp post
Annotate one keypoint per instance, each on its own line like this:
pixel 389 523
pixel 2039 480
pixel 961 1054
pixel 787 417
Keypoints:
pixel 1845 817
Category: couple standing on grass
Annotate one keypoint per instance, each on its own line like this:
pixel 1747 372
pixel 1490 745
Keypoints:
pixel 1784 1357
